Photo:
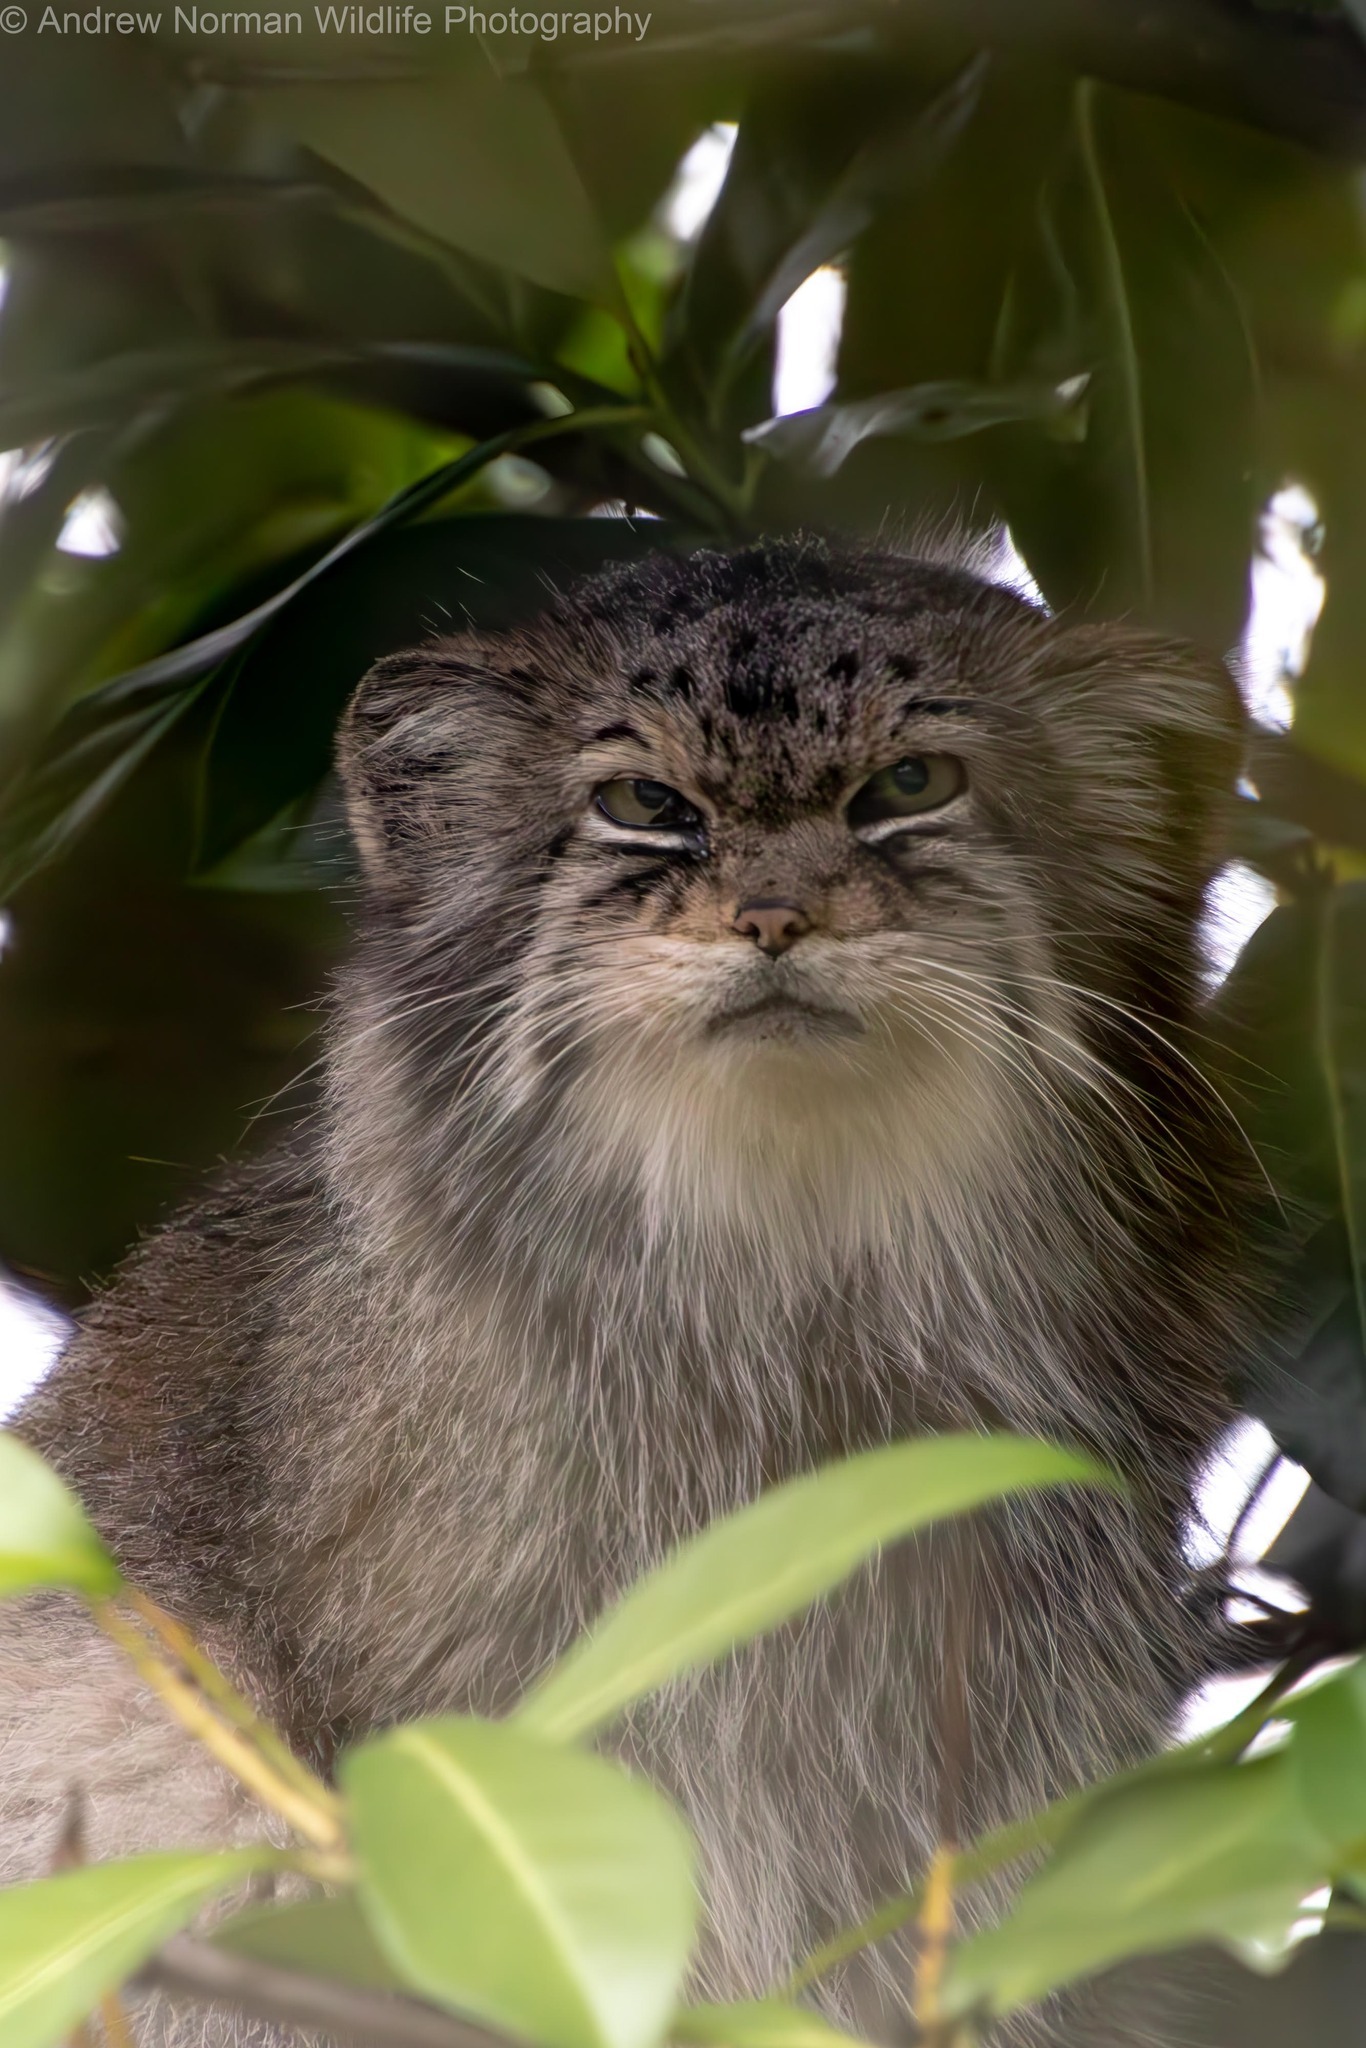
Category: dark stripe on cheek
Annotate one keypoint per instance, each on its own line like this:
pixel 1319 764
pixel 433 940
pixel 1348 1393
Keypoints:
pixel 633 887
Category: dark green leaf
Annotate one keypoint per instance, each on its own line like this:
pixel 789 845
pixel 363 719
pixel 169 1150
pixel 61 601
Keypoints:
pixel 824 437
pixel 1120 281
pixel 31 522
pixel 1293 1017
pixel 118 387
pixel 478 161
pixel 820 152
pixel 109 732
pixel 68 200
pixel 1298 786
pixel 327 1937
pixel 903 156
pixel 274 737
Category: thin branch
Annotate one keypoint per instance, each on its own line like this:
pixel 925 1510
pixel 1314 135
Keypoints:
pixel 936 1932
pixel 117 2032
pixel 237 1710
pixel 1229 1743
pixel 187 1968
pixel 316 1818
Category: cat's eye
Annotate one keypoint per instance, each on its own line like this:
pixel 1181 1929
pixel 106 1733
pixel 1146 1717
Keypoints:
pixel 635 800
pixel 905 789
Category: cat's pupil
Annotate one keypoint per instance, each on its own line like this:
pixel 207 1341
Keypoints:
pixel 652 796
pixel 910 776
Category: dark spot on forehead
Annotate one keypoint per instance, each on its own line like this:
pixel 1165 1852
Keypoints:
pixel 642 681
pixel 761 688
pixel 681 682
pixel 844 667
pixel 905 667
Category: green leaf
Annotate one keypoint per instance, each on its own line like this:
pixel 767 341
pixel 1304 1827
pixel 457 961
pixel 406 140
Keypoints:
pixel 1328 1757
pixel 119 388
pixel 756 1568
pixel 1221 1854
pixel 71 200
pixel 1292 1017
pixel 1339 1027
pixel 276 734
pixel 824 437
pixel 110 390
pixel 89 756
pixel 1307 791
pixel 45 1539
pixel 328 1937
pixel 476 160
pixel 67 1940
pixel 542 1891
pixel 1121 279
pixel 756 2023
pixel 819 153
pixel 106 734
pixel 903 155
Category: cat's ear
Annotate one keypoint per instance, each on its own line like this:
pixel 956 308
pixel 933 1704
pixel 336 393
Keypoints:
pixel 1157 730
pixel 404 731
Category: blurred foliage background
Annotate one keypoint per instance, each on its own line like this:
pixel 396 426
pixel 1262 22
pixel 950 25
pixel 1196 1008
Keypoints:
pixel 314 342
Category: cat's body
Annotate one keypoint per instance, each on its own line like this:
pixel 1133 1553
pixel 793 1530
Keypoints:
pixel 662 1160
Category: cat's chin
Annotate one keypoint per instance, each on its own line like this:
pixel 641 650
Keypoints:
pixel 782 1020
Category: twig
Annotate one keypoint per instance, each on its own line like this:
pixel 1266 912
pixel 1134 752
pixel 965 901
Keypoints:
pixel 936 1931
pixel 113 2018
pixel 1229 1742
pixel 188 1968
pixel 316 1818
pixel 231 1703
pixel 68 1851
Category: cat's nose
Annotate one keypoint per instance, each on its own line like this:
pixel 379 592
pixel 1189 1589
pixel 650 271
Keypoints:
pixel 772 923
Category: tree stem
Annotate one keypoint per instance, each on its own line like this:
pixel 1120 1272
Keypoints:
pixel 315 1814
pixel 189 1968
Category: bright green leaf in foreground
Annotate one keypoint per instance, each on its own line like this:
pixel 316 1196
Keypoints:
pixel 543 1891
pixel 769 1561
pixel 756 2023
pixel 45 1539
pixel 66 1941
pixel 1328 1757
pixel 1221 1854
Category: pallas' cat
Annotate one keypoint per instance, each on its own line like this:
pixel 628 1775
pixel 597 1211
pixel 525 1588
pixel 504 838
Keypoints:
pixel 769 1032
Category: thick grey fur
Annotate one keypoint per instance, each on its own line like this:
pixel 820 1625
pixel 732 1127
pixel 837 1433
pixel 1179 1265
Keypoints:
pixel 564 1266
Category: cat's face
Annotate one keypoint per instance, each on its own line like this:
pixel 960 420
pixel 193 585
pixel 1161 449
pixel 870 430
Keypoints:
pixel 795 855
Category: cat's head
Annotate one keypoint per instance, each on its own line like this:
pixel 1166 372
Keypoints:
pixel 790 860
